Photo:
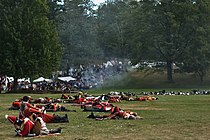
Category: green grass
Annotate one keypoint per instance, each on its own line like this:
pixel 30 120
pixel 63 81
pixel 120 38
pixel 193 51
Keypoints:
pixel 149 80
pixel 170 117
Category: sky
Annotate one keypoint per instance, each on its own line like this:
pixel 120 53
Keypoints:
pixel 98 1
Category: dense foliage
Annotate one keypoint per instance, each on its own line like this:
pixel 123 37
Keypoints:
pixel 171 31
pixel 29 42
pixel 78 33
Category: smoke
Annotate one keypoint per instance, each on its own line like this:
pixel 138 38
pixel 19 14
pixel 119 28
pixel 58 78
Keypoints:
pixel 101 75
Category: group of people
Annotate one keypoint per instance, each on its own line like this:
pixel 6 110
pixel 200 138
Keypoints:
pixel 115 96
pixel 87 77
pixel 187 93
pixel 49 104
pixel 33 126
pixel 102 103
pixel 32 120
pixel 98 104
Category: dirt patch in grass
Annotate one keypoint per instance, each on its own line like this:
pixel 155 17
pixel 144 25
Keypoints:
pixel 141 107
pixel 145 108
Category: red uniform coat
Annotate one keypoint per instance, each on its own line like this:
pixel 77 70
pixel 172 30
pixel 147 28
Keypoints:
pixel 26 110
pixel 27 127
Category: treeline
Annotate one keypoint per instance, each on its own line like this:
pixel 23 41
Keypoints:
pixel 172 31
pixel 39 36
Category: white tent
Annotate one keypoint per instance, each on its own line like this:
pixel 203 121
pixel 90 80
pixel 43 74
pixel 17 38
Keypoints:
pixel 67 79
pixel 42 79
pixel 11 79
pixel 49 80
pixel 24 80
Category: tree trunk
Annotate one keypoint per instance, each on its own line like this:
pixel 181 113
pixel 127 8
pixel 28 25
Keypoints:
pixel 170 72
pixel 15 83
pixel 201 75
pixel 201 80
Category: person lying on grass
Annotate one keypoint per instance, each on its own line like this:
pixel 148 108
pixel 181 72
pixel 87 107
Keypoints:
pixel 17 103
pixel 53 107
pixel 49 107
pixel 46 100
pixel 26 127
pixel 27 109
pixel 116 113
pixel 97 106
pixel 146 98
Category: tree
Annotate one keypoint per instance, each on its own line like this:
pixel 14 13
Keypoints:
pixel 29 42
pixel 78 34
pixel 111 28
pixel 197 56
pixel 165 28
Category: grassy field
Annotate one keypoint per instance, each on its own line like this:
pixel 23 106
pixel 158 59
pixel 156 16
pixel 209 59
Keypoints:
pixel 170 117
pixel 149 80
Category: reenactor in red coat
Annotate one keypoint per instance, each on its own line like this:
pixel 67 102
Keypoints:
pixel 26 110
pixel 23 126
pixel 31 127
pixel 116 113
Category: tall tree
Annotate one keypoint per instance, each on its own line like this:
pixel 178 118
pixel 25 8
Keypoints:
pixel 197 57
pixel 111 31
pixel 29 42
pixel 165 28
pixel 78 34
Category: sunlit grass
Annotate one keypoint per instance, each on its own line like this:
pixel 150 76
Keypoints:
pixel 170 117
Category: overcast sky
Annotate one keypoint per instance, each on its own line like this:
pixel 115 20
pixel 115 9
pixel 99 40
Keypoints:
pixel 98 1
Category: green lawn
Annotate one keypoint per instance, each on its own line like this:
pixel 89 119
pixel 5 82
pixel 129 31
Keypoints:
pixel 170 117
pixel 149 80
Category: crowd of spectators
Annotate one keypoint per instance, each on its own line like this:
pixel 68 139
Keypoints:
pixel 86 77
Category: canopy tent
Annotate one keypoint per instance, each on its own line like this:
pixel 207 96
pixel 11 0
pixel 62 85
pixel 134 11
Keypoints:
pixel 24 80
pixel 49 80
pixel 67 79
pixel 11 79
pixel 42 79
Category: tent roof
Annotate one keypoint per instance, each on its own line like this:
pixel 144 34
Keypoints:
pixel 41 79
pixel 67 79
